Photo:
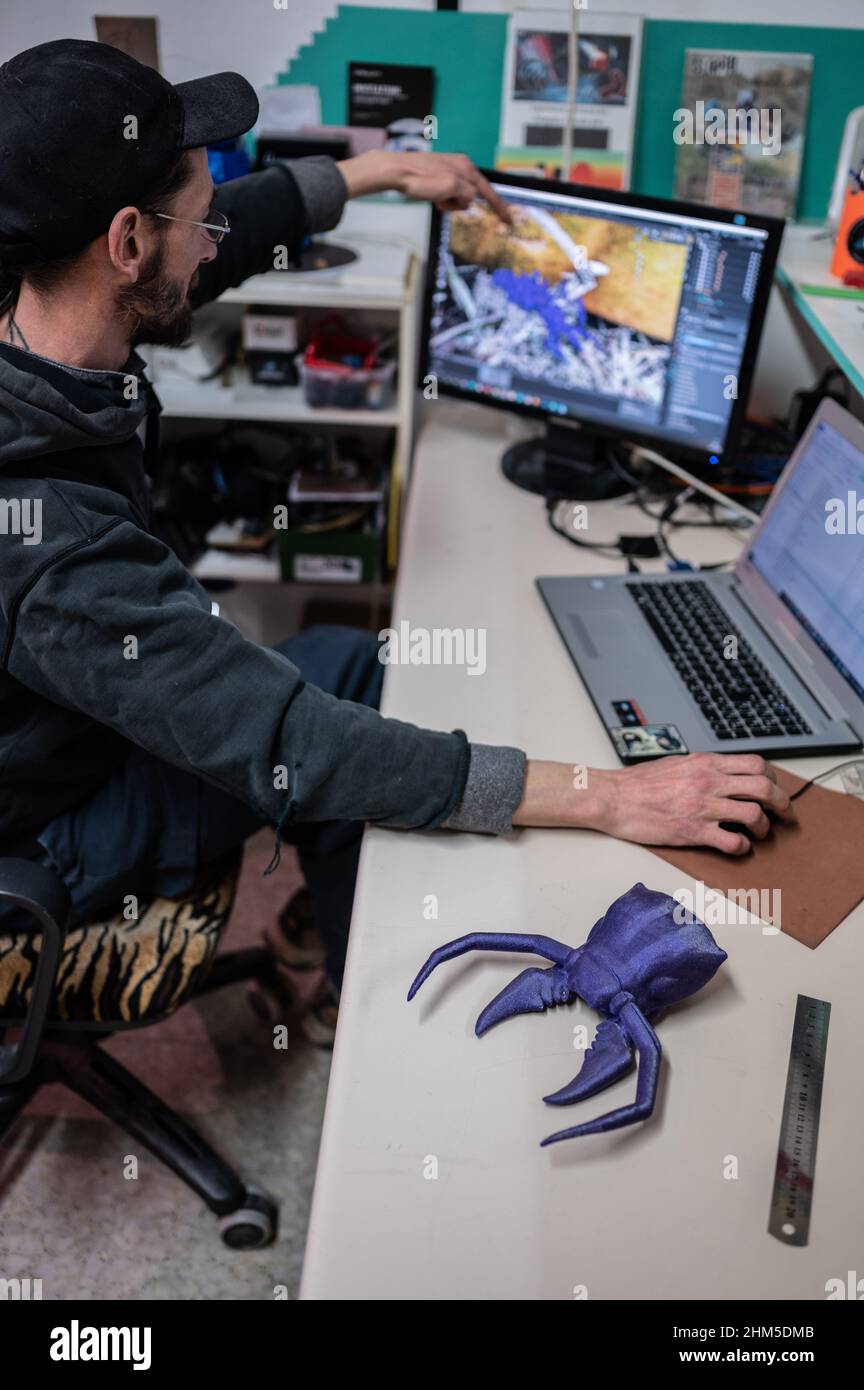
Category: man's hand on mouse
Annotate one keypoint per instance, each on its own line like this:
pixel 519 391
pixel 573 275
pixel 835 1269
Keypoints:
pixel 683 800
pixel 669 801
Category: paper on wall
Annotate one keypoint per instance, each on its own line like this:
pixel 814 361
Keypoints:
pixel 534 89
pixel 286 109
pixel 740 129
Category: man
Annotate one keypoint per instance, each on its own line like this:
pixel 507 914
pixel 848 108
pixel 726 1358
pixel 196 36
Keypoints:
pixel 141 735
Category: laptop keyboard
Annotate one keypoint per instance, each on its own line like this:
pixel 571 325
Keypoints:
pixel 739 698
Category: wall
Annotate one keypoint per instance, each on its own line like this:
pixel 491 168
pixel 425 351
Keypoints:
pixel 467 52
pixel 195 36
pixel 252 36
pixel 198 36
pixel 839 13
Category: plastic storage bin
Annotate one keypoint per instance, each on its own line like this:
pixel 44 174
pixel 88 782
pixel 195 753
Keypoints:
pixel 342 371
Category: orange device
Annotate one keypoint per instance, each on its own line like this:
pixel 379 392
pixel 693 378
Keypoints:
pixel 847 262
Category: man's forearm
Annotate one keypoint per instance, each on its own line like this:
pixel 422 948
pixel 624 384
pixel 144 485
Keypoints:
pixel 563 794
pixel 376 171
pixel 450 181
pixel 323 190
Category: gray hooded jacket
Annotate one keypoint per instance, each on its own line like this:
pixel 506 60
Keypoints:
pixel 199 695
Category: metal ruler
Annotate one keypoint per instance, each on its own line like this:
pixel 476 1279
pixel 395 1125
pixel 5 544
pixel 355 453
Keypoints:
pixel 799 1129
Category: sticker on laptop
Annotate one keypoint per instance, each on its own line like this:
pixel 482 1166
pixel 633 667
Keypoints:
pixel 628 712
pixel 648 741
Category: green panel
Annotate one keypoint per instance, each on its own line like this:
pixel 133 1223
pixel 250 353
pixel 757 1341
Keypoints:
pixel 467 52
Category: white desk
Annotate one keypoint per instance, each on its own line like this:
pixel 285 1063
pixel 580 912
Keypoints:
pixel 644 1212
pixel 838 323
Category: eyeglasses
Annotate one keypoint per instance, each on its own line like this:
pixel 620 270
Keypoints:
pixel 214 231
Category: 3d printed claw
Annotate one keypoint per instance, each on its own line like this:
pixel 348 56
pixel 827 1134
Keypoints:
pixel 647 1045
pixel 609 1057
pixel 638 959
pixel 529 993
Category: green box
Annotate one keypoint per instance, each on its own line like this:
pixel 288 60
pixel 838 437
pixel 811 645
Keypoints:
pixel 330 557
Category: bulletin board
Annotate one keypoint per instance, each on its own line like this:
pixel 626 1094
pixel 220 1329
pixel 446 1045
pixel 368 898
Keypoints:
pixel 467 52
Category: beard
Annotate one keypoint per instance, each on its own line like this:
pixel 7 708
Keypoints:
pixel 157 308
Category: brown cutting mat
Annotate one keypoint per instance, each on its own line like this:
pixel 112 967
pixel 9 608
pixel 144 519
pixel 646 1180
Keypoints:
pixel 818 864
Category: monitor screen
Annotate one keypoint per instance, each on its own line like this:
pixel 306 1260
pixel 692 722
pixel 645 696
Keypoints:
pixel 826 594
pixel 637 317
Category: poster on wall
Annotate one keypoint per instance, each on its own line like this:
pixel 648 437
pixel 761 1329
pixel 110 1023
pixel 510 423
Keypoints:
pixel 740 129
pixel 534 96
pixel 396 97
pixel 135 36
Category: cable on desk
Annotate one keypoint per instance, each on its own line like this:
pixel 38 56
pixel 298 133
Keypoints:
pixel 850 762
pixel 556 512
pixel 644 491
pixel 714 523
pixel 560 512
pixel 666 519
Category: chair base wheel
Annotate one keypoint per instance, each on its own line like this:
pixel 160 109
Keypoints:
pixel 253 1225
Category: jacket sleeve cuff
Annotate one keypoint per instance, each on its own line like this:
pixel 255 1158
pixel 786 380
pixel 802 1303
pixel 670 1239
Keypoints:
pixel 322 189
pixel 493 789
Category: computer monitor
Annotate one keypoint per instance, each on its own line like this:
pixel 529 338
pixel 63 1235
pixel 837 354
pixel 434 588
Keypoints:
pixel 633 318
pixel 277 149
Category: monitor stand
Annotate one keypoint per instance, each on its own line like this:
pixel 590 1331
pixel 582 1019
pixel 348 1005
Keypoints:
pixel 563 462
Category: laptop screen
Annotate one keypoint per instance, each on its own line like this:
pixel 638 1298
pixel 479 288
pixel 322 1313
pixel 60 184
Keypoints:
pixel 810 551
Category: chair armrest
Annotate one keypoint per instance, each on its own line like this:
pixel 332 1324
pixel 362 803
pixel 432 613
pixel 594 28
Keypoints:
pixel 44 895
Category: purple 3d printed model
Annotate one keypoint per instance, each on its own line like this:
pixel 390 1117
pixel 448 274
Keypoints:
pixel 645 953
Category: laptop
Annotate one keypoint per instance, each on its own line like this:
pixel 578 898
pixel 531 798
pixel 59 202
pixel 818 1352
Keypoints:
pixel 767 657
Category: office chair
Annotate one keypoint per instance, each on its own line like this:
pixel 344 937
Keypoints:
pixel 65 994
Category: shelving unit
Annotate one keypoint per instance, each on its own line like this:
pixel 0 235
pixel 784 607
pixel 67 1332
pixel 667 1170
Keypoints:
pixel 243 400
pixel 384 280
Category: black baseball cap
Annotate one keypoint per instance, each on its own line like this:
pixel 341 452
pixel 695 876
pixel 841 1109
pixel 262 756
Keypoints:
pixel 86 130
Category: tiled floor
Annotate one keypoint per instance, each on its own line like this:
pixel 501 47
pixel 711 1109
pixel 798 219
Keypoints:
pixel 70 1215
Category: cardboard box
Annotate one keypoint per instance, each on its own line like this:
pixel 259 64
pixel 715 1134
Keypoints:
pixel 270 346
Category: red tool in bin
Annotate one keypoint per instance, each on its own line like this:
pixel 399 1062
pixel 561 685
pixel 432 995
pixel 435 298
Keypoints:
pixel 344 370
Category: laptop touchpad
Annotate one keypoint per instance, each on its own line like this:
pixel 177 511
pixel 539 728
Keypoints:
pixel 582 635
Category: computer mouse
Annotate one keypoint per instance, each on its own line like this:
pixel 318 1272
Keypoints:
pixel 738 829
